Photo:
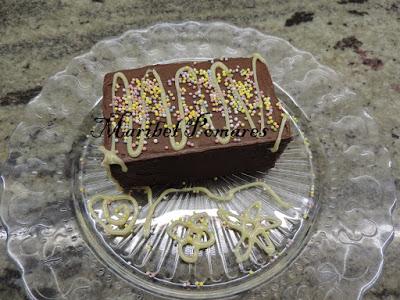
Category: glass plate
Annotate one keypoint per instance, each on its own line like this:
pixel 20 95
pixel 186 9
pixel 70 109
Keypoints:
pixel 335 174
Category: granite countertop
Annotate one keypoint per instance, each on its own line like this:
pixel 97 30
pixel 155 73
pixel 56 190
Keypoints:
pixel 358 38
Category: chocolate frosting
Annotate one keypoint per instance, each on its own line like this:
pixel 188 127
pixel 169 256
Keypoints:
pixel 160 162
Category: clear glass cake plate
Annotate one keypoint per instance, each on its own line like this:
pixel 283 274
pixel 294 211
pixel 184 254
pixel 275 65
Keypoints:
pixel 335 175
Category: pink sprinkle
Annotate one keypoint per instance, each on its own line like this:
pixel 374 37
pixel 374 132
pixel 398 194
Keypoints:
pixel 166 148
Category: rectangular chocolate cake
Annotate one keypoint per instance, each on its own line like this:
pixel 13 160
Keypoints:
pixel 189 120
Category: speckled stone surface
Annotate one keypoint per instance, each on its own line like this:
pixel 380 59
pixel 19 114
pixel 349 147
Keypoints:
pixel 358 38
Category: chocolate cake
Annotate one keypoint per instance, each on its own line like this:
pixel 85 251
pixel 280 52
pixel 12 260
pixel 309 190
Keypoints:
pixel 190 120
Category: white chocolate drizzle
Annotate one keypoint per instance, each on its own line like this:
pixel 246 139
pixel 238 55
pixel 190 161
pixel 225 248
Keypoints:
pixel 254 229
pixel 121 220
pixel 228 196
pixel 279 138
pixel 196 234
pixel 111 158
